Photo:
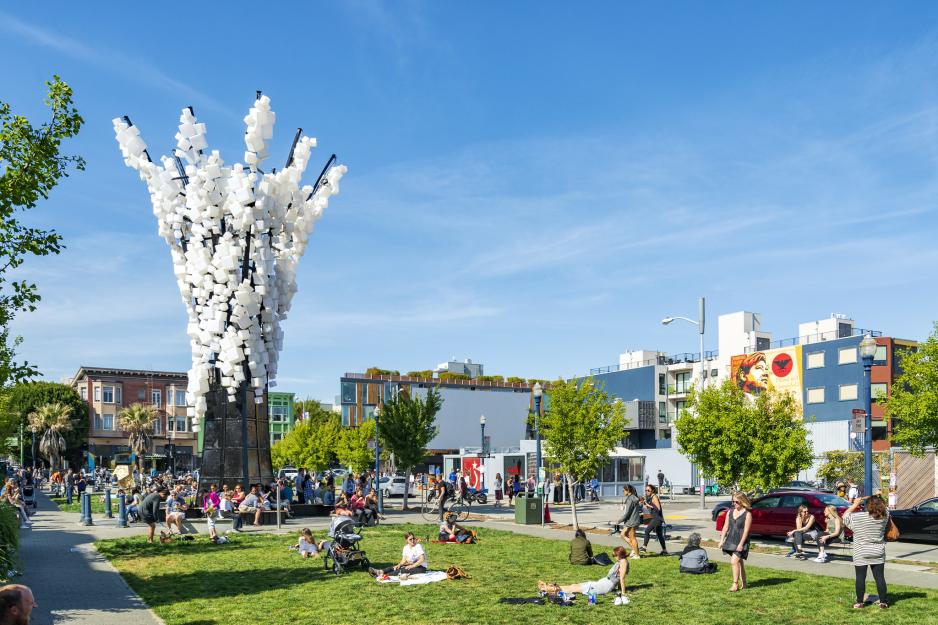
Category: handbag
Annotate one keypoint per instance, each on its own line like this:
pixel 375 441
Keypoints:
pixel 892 532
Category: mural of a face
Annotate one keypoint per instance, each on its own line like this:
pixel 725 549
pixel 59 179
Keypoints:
pixel 752 377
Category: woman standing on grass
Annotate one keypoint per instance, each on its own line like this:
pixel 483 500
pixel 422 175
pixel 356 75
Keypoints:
pixel 869 545
pixel 734 541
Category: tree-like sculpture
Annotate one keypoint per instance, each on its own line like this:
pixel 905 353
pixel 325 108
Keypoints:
pixel 235 234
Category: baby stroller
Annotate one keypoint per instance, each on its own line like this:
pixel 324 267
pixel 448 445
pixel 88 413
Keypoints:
pixel 29 496
pixel 342 551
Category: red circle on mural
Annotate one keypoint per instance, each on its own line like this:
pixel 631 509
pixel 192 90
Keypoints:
pixel 782 364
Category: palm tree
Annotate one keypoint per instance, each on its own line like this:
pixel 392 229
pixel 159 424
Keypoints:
pixel 51 419
pixel 137 420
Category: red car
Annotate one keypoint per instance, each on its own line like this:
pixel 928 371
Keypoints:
pixel 774 514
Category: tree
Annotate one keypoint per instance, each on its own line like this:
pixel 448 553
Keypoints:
pixel 848 466
pixel 137 420
pixel 580 427
pixel 311 444
pixel 353 450
pixel 51 420
pixel 913 402
pixel 26 397
pixel 30 167
pixel 407 425
pixel 744 443
pixel 313 410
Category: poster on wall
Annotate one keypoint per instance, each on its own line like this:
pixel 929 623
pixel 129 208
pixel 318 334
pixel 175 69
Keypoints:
pixel 513 466
pixel 472 471
pixel 777 369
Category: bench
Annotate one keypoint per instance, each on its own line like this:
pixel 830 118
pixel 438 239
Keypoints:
pixel 311 509
pixel 268 517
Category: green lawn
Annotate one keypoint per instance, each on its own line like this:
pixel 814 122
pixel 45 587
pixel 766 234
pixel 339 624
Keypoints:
pixel 256 579
pixel 97 504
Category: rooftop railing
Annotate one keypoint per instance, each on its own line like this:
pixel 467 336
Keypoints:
pixel 446 382
pixel 814 338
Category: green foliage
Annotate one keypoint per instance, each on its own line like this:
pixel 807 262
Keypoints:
pixel 137 420
pixel 314 410
pixel 446 375
pixel 426 374
pixel 48 422
pixel 9 538
pixel 514 380
pixel 377 371
pixel 914 399
pixel 407 427
pixel 580 427
pixel 30 167
pixel 310 444
pixel 744 443
pixel 533 381
pixel 353 450
pixel 844 466
pixel 26 397
pixel 491 378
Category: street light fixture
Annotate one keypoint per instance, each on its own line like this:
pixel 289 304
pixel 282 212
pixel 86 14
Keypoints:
pixel 867 351
pixel 378 461
pixel 482 453
pixel 538 391
pixel 703 372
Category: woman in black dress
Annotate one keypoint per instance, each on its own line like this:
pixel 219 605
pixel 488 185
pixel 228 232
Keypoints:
pixel 656 520
pixel 734 541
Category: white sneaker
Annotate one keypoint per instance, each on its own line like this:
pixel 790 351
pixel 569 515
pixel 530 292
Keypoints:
pixel 621 601
pixel 820 559
pixel 635 556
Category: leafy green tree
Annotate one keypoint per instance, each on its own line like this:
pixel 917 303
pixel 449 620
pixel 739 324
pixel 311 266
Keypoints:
pixel 26 397
pixel 51 420
pixel 30 167
pixel 844 466
pixel 313 409
pixel 137 421
pixel 353 450
pixel 423 374
pixel 310 444
pixel 744 443
pixel 914 399
pixel 513 379
pixel 407 425
pixel 580 427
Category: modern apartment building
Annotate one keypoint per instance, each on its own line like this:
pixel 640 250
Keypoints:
pixel 282 419
pixel 107 391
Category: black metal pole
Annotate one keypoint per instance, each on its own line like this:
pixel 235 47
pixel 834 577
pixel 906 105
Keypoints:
pixel 34 454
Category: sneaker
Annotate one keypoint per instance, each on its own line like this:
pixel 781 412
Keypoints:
pixel 664 553
pixel 373 572
pixel 635 556
pixel 821 559
pixel 791 553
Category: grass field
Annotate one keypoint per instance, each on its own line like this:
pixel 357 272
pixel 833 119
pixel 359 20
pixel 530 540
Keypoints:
pixel 256 579
pixel 97 505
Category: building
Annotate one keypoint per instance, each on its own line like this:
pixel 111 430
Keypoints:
pixel 282 419
pixel 108 391
pixel 466 367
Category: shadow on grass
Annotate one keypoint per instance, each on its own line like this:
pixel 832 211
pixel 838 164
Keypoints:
pixel 770 581
pixel 896 597
pixel 135 547
pixel 175 588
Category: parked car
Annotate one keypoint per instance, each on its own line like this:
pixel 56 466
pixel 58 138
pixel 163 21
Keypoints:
pixel 920 522
pixel 773 514
pixel 796 485
pixel 392 486
pixel 288 473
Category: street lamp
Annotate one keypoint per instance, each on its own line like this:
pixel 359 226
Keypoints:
pixel 538 391
pixel 482 453
pixel 378 461
pixel 703 373
pixel 867 351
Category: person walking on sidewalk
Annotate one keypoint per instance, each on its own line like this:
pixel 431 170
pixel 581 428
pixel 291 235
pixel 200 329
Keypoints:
pixel 631 519
pixel 734 541
pixel 869 545
pixel 656 522
pixel 150 509
pixel 16 604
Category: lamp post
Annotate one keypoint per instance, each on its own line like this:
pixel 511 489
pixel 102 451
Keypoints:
pixel 867 351
pixel 482 453
pixel 701 316
pixel 538 391
pixel 378 461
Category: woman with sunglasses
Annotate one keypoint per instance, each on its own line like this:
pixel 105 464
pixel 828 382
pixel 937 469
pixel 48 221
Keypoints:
pixel 413 560
pixel 734 541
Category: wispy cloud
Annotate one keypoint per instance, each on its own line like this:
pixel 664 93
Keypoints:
pixel 115 61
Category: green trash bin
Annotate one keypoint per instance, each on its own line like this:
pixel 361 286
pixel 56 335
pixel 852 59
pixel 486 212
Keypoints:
pixel 528 509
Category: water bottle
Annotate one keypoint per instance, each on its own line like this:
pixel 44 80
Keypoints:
pixel 562 596
pixel 591 598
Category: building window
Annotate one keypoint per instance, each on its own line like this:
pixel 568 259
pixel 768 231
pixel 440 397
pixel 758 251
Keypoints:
pixel 276 436
pixel 848 392
pixel 108 421
pixel 815 360
pixel 156 397
pixel 846 355
pixel 879 390
pixel 84 393
pixel 879 358
pixel 662 384
pixel 180 424
pixel 682 382
pixel 816 395
pixel 180 398
pixel 141 394
pixel 662 412
pixel 97 393
pixel 108 395
pixel 98 422
pixel 664 434
pixel 278 413
pixel 348 392
pixel 158 426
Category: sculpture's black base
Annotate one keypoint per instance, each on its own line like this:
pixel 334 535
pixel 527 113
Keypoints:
pixel 224 441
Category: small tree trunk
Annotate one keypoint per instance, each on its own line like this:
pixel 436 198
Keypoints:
pixel 406 488
pixel 576 525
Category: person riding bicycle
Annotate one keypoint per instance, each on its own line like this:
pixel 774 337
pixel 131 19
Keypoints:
pixel 444 491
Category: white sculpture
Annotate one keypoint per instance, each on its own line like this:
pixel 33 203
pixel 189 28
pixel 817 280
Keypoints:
pixel 236 235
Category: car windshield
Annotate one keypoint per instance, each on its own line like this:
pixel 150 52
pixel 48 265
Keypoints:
pixel 832 500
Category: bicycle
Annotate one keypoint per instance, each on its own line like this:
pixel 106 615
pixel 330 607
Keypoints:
pixel 430 508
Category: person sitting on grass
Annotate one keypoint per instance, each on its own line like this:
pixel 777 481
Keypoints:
pixel 451 531
pixel 694 558
pixel 307 545
pixel 150 508
pixel 413 560
pixel 835 528
pixel 581 551
pixel 615 578
pixel 176 511
pixel 253 503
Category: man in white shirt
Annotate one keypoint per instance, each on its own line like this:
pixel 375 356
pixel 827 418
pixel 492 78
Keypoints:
pixel 413 560
pixel 253 503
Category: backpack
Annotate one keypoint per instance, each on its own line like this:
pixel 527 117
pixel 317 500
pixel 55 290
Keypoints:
pixel 456 572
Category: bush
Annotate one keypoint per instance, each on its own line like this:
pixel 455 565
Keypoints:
pixel 515 380
pixel 377 371
pixel 425 374
pixel 446 375
pixel 9 538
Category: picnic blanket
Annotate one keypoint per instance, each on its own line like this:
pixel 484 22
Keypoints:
pixel 450 542
pixel 420 578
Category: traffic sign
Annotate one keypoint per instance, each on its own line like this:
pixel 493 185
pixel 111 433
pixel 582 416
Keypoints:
pixel 859 421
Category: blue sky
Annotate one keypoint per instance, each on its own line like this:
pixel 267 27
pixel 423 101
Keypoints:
pixel 531 185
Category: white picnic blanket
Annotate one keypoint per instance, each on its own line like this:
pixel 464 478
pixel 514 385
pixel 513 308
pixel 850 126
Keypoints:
pixel 420 578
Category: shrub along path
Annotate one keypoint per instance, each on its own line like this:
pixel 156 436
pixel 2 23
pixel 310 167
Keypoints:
pixel 255 579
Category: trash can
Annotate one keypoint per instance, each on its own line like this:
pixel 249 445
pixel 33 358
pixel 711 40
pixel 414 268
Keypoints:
pixel 528 509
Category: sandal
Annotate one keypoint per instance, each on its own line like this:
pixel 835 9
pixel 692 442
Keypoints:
pixel 734 588
pixel 883 605
pixel 858 606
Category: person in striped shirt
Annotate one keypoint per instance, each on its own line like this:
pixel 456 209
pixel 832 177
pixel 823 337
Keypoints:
pixel 869 545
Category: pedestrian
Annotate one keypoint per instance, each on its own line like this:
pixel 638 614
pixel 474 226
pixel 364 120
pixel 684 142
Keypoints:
pixel 660 479
pixel 515 488
pixel 869 545
pixel 853 492
pixel 300 482
pixel 631 519
pixel 656 522
pixel 16 604
pixel 150 508
pixel 498 490
pixel 734 540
